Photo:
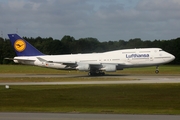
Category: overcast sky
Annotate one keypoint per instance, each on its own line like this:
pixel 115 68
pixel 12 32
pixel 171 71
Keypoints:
pixel 102 19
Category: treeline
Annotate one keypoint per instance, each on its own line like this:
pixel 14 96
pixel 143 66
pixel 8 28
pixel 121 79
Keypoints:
pixel 68 45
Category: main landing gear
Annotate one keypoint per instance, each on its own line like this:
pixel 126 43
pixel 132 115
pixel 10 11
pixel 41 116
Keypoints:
pixel 157 71
pixel 98 73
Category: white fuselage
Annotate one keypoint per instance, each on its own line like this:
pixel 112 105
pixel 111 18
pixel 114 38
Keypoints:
pixel 120 58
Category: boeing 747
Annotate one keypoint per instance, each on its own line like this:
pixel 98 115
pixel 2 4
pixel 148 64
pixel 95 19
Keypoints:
pixel 93 63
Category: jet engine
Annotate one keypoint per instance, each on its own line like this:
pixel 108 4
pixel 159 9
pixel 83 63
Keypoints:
pixel 83 67
pixel 109 68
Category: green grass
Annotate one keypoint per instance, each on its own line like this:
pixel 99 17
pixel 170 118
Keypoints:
pixel 124 99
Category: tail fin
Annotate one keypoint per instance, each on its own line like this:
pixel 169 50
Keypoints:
pixel 22 47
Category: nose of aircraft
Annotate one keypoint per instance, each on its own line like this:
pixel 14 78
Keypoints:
pixel 168 57
pixel 171 57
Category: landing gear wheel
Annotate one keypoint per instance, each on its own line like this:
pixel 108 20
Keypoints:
pixel 96 73
pixel 102 73
pixel 91 74
pixel 156 71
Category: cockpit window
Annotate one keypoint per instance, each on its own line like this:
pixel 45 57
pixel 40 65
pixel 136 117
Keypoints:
pixel 160 50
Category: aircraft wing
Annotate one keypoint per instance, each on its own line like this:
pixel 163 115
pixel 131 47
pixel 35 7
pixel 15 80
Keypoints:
pixel 59 62
pixel 88 66
pixel 69 63
pixel 73 64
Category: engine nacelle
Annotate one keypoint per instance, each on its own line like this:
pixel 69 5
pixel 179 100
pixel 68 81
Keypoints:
pixel 83 67
pixel 16 61
pixel 110 68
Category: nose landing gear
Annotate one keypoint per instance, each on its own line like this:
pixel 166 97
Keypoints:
pixel 157 71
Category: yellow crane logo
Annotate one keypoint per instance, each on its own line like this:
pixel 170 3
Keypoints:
pixel 19 45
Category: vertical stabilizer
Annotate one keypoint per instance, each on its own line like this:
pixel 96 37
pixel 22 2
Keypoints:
pixel 22 47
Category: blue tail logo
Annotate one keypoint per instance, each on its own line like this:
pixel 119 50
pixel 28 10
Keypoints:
pixel 22 47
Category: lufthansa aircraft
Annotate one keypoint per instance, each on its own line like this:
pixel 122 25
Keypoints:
pixel 93 63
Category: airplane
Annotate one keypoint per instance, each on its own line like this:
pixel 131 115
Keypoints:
pixel 93 63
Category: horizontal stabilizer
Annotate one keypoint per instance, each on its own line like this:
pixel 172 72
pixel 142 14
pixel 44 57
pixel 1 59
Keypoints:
pixel 9 58
pixel 19 59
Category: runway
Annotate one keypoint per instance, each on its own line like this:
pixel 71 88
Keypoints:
pixel 132 79
pixel 128 79
pixel 71 116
